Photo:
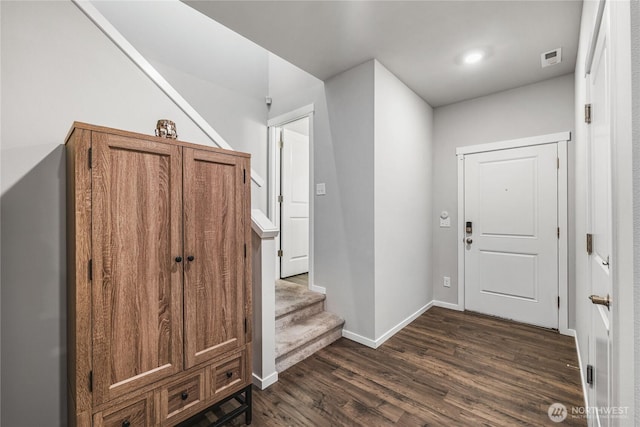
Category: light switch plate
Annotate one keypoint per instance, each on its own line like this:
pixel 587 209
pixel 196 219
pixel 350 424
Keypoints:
pixel 321 189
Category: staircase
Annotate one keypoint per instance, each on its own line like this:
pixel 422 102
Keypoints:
pixel 302 325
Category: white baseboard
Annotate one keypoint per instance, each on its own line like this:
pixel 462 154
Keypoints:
pixel 391 332
pixel 263 383
pixel 319 289
pixel 358 338
pixel 583 373
pixel 448 305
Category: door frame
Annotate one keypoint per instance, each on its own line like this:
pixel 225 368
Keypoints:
pixel 273 207
pixel 561 139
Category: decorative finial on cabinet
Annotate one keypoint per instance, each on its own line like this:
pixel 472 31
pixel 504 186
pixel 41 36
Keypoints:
pixel 166 129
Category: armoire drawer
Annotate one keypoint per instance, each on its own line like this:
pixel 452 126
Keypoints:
pixel 179 396
pixel 228 374
pixel 133 413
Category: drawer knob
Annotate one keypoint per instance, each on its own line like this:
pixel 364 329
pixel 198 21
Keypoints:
pixel 126 423
pixel 229 374
pixel 184 395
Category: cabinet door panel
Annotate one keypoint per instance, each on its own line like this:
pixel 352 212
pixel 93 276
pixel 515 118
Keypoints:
pixel 137 284
pixel 214 236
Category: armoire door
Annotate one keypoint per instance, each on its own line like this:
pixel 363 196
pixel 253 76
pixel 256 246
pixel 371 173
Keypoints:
pixel 137 279
pixel 214 250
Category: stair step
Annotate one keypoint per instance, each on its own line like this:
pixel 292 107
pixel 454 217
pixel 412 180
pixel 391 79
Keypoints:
pixel 291 297
pixel 302 338
pixel 298 315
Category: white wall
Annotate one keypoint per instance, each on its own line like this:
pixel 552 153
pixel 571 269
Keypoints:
pixel 402 207
pixel 531 110
pixel 57 67
pixel 344 218
pixel 623 292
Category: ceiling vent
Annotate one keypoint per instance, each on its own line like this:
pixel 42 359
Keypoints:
pixel 551 58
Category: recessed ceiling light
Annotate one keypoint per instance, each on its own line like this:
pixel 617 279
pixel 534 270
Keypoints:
pixel 473 57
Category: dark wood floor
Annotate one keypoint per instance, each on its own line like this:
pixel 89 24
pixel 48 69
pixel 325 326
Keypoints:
pixel 445 369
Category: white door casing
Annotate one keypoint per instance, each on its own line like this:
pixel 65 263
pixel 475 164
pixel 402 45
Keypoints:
pixel 295 203
pixel 511 258
pixel 600 223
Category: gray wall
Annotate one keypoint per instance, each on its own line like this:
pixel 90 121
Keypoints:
pixel 344 218
pixel 57 67
pixel 402 208
pixel 240 118
pixel 225 78
pixel 372 228
pixel 536 109
pixel 635 68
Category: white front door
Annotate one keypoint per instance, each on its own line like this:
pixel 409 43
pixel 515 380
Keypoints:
pixel 294 224
pixel 600 213
pixel 511 240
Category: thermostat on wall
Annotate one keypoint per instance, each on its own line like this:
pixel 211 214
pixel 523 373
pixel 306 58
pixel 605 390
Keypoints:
pixel 551 58
pixel 445 220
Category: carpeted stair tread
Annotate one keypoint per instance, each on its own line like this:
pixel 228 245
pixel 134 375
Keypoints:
pixel 291 297
pixel 304 331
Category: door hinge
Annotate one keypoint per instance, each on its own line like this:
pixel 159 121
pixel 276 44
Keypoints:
pixel 90 269
pixel 589 374
pixel 281 142
pixel 587 113
pixel 244 175
pixel 280 252
pixel 558 163
pixel 589 243
pixel 90 155
pixel 90 381
pixel 280 198
pixel 558 232
pixel 558 302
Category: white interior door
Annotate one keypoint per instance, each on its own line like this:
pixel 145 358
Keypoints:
pixel 294 207
pixel 511 251
pixel 600 213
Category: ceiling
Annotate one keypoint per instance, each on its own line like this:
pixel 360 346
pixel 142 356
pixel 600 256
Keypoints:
pixel 421 42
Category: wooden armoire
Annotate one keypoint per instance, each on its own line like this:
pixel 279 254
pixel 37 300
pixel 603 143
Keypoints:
pixel 159 292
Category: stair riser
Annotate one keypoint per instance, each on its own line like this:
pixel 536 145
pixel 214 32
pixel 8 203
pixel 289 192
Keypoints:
pixel 299 314
pixel 286 361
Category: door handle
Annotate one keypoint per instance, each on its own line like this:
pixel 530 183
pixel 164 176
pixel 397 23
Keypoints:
pixel 469 240
pixel 595 299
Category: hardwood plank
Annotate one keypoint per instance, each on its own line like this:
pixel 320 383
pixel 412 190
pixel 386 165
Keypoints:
pixel 445 368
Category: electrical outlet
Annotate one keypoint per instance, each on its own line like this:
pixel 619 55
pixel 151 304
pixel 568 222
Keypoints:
pixel 446 282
